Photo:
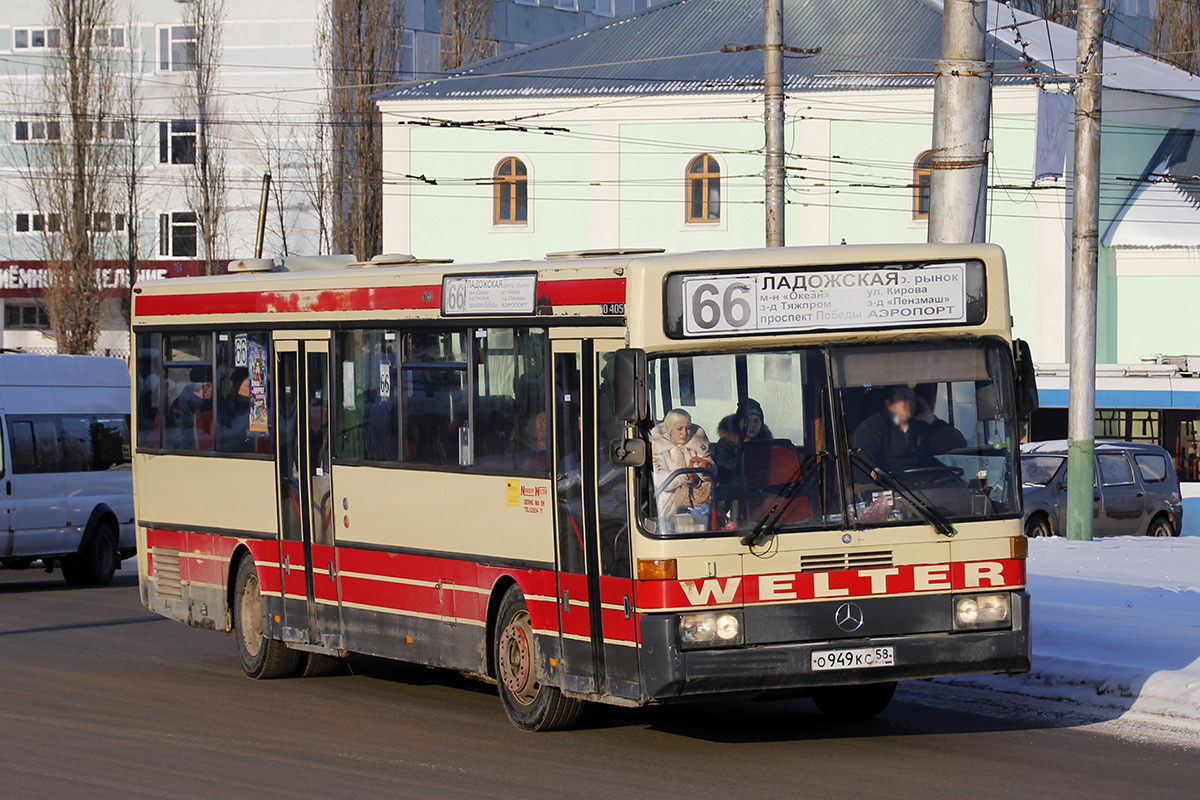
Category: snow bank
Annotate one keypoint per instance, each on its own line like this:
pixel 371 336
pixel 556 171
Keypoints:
pixel 1116 628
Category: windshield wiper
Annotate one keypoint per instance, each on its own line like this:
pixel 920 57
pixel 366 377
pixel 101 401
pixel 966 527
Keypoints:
pixel 769 520
pixel 928 512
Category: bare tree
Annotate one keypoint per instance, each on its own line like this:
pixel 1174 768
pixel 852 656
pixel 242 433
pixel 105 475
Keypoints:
pixel 1061 11
pixel 71 156
pixel 1175 33
pixel 283 154
pixel 208 186
pixel 361 52
pixel 133 159
pixel 315 177
pixel 466 32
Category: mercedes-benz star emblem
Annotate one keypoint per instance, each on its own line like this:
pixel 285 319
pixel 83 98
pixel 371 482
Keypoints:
pixel 849 617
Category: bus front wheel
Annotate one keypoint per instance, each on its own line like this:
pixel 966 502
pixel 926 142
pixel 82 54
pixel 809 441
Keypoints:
pixel 530 705
pixel 261 658
pixel 848 703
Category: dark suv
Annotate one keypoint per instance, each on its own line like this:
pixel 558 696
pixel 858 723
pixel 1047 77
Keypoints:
pixel 1136 490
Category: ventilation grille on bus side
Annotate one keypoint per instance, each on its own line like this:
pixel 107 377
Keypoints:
pixel 166 572
pixel 832 562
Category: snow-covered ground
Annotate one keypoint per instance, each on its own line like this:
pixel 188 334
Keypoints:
pixel 1116 633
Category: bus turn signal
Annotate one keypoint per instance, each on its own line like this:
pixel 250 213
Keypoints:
pixel 657 569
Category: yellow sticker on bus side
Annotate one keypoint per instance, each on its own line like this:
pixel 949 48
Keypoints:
pixel 514 493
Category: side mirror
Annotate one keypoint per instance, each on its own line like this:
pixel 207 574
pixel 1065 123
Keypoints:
pixel 630 399
pixel 1025 379
pixel 627 453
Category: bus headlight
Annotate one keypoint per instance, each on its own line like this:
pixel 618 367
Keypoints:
pixel 718 629
pixel 974 612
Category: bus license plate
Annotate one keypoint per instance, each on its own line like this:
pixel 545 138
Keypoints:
pixel 858 658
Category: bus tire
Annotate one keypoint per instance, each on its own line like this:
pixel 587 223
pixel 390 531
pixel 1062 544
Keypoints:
pixel 261 658
pixel 320 665
pixel 851 703
pixel 1160 526
pixel 1038 526
pixel 530 705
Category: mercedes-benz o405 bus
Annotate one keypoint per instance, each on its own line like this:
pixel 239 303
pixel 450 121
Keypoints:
pixel 619 477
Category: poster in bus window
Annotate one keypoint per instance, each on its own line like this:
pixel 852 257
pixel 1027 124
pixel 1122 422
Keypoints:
pixel 257 357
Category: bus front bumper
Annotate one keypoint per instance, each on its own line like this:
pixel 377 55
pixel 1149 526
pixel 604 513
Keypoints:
pixel 669 672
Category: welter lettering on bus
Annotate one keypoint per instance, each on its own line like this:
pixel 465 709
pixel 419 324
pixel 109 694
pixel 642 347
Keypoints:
pixel 414 462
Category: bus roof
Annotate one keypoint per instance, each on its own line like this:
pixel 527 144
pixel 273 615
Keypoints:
pixel 595 288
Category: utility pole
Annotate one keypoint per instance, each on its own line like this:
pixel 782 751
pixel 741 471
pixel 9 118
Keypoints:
pixel 773 117
pixel 262 213
pixel 962 100
pixel 1081 419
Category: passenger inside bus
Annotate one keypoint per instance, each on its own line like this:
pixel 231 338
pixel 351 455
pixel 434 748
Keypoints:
pixel 744 425
pixel 940 436
pixel 533 454
pixel 683 467
pixel 233 435
pixel 189 417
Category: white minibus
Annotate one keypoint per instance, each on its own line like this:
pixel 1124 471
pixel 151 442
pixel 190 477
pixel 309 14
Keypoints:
pixel 66 491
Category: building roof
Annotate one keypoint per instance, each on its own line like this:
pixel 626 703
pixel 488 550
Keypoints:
pixel 683 47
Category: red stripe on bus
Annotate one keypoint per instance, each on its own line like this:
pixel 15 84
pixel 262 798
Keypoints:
pixel 365 299
pixel 1001 573
pixel 558 293
pixel 587 292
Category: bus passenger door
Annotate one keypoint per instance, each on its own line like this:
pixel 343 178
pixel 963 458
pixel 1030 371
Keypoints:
pixel 307 558
pixel 595 585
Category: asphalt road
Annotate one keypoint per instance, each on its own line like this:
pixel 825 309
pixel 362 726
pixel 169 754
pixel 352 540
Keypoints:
pixel 102 699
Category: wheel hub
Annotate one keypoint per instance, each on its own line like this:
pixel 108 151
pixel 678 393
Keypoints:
pixel 516 663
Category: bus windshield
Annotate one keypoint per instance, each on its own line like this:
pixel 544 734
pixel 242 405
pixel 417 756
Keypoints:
pixel 850 436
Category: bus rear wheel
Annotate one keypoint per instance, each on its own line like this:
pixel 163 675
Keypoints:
pixel 261 658
pixel 850 703
pixel 530 705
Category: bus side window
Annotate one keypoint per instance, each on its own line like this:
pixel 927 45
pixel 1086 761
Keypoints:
pixel 241 393
pixel 569 473
pixel 149 389
pixel 509 426
pixel 433 403
pixel 612 494
pixel 189 392
pixel 367 414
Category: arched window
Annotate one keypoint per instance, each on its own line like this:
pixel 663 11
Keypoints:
pixel 704 190
pixel 922 170
pixel 512 192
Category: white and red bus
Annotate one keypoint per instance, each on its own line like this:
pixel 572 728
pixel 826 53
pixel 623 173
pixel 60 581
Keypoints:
pixel 626 477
